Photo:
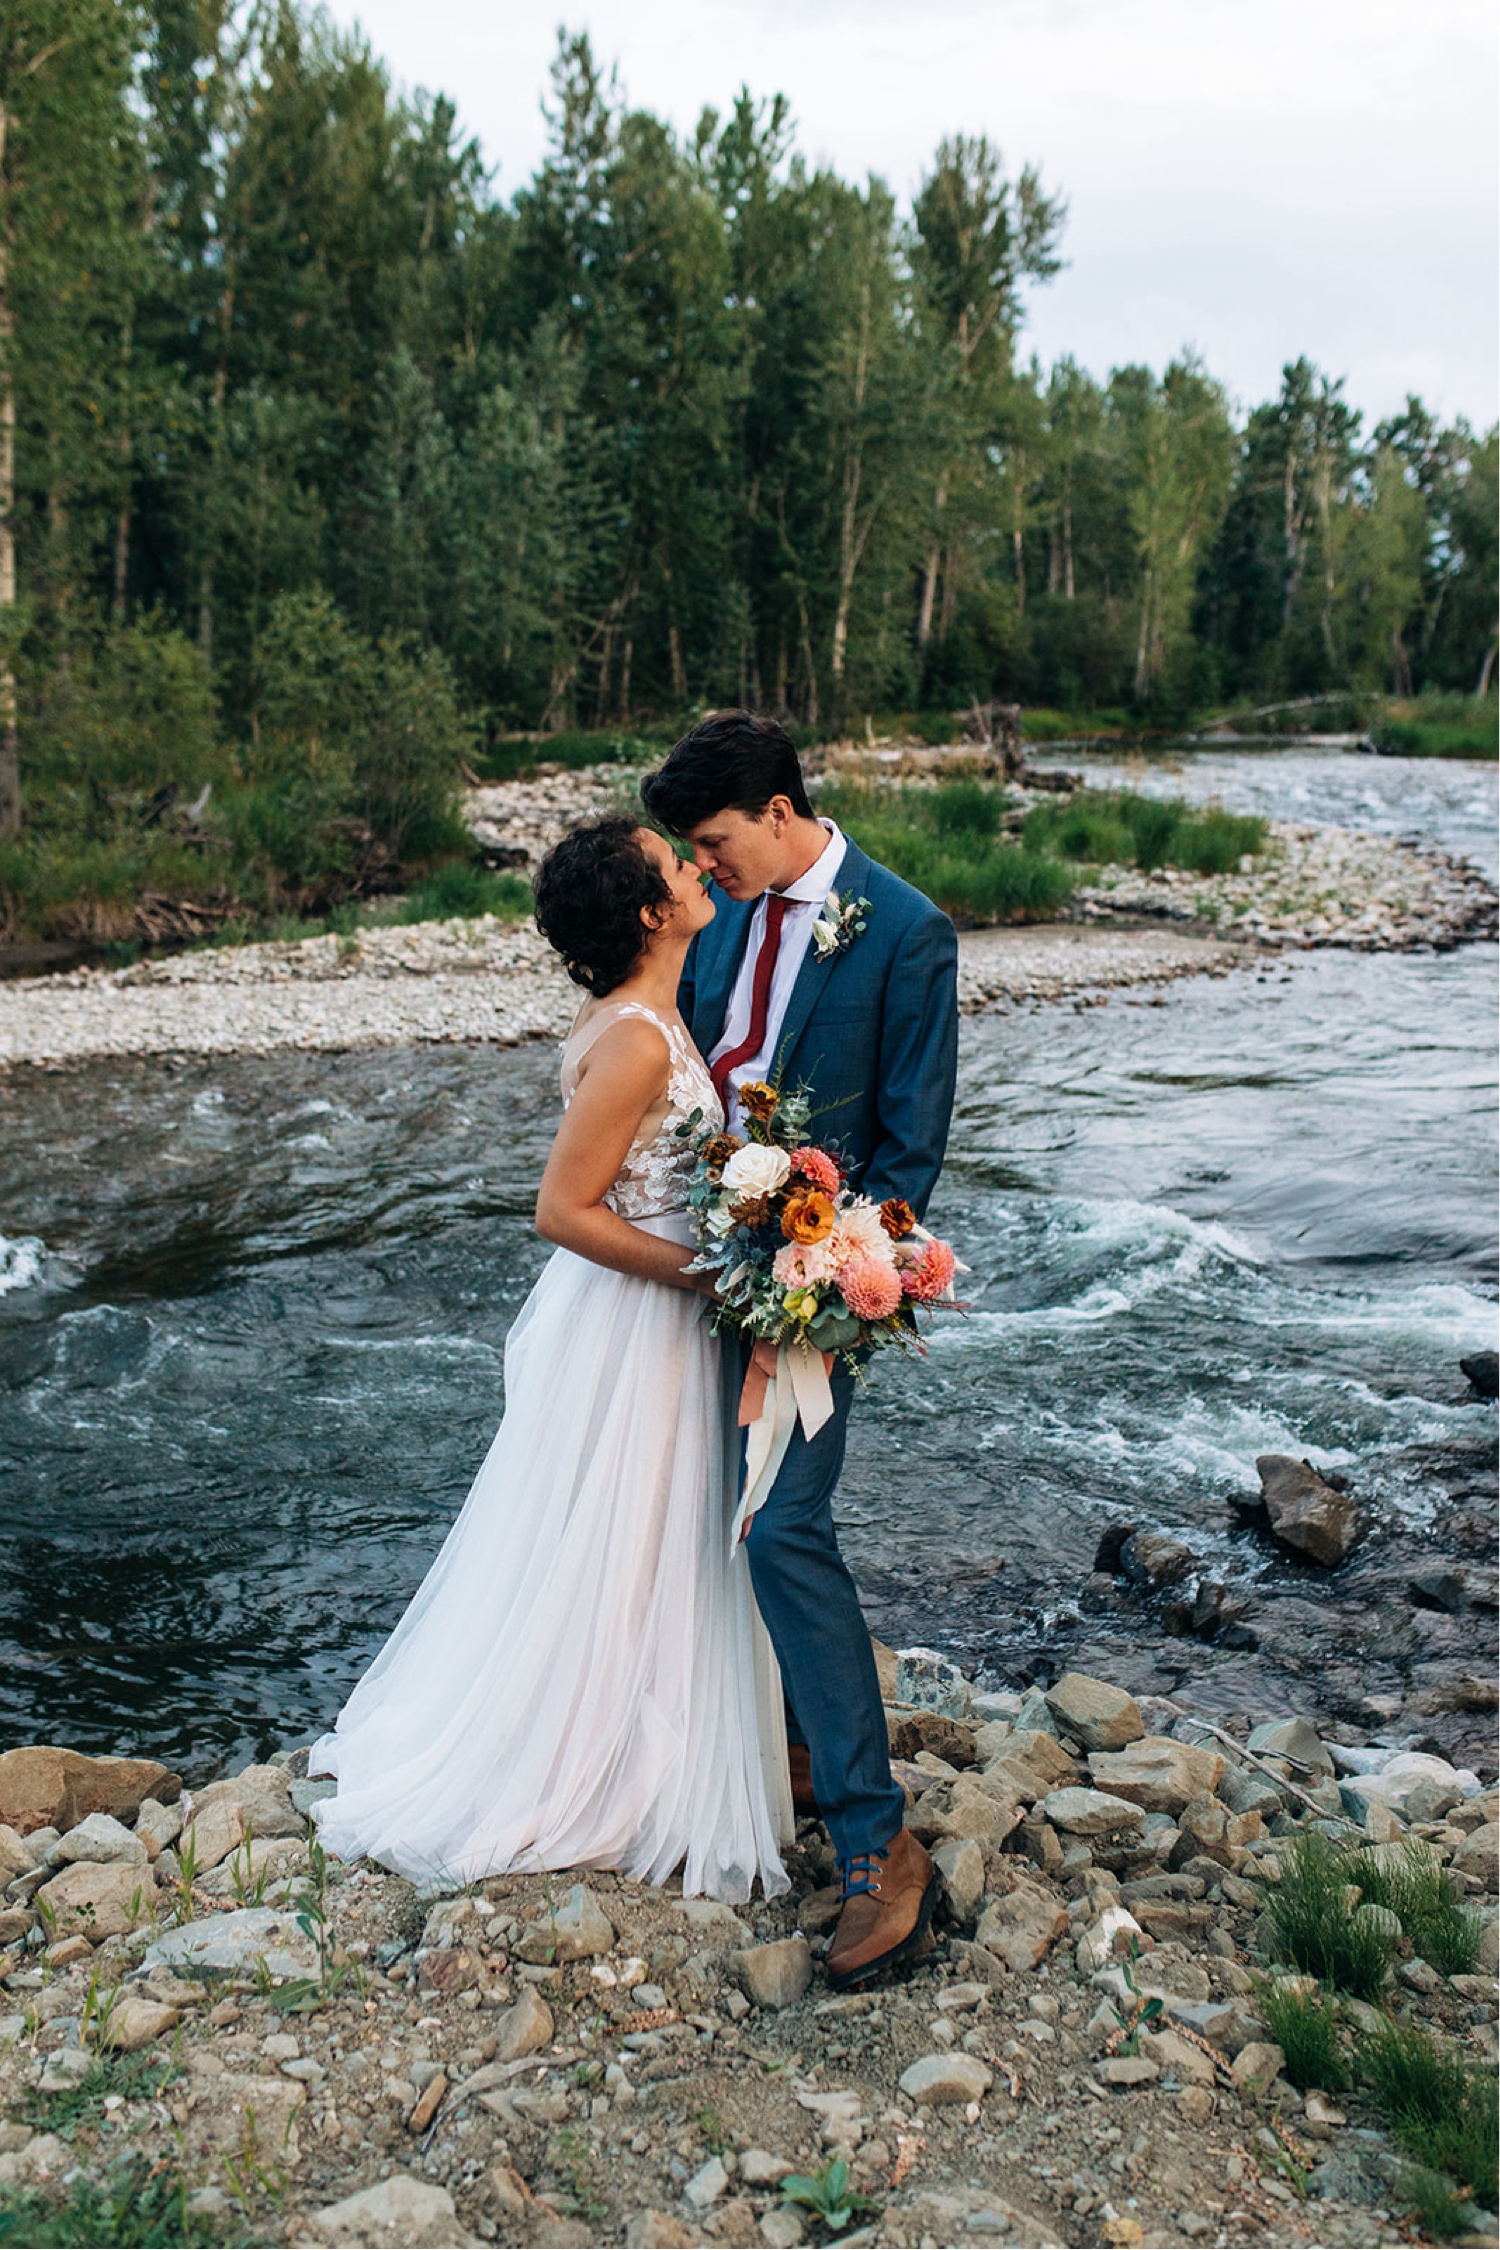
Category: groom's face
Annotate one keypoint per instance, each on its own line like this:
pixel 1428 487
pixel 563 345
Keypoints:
pixel 745 853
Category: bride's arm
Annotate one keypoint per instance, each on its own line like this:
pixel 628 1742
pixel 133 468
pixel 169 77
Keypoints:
pixel 624 1076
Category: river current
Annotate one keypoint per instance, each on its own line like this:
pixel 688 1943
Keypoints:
pixel 252 1314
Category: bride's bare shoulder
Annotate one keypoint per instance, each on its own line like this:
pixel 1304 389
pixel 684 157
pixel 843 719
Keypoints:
pixel 623 1042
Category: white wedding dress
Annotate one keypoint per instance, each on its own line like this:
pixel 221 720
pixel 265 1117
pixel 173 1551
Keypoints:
pixel 582 1679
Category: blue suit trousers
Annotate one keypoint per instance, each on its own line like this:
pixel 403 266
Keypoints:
pixel 822 1643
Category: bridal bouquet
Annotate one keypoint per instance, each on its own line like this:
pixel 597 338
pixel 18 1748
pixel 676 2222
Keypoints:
pixel 801 1259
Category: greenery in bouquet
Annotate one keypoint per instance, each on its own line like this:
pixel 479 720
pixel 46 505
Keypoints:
pixel 799 1257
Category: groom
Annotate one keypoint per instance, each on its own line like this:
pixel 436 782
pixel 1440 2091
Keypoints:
pixel 871 1028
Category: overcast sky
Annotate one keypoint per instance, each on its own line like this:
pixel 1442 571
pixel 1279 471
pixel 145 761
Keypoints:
pixel 1256 178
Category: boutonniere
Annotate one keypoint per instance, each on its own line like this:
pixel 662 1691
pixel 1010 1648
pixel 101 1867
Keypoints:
pixel 839 924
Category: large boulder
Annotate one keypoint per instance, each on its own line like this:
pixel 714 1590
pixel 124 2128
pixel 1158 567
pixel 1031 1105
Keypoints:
pixel 43 1787
pixel 102 1840
pixel 99 1902
pixel 1157 1773
pixel 1305 1511
pixel 1295 1739
pixel 1479 1855
pixel 1095 1714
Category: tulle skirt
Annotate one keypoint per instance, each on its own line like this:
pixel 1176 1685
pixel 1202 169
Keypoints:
pixel 582 1679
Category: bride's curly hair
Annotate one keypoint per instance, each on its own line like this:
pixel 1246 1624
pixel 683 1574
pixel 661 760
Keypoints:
pixel 590 890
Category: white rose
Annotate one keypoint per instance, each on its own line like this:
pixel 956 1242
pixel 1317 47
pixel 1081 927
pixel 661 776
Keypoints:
pixel 755 1171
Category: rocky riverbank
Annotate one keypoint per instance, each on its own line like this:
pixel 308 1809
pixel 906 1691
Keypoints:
pixel 495 981
pixel 1082 2056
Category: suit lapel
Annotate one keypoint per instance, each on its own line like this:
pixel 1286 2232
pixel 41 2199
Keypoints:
pixel 813 976
pixel 711 1001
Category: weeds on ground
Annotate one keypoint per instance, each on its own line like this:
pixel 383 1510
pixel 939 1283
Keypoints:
pixel 571 2159
pixel 1442 2110
pixel 1440 2214
pixel 134 2078
pixel 305 1995
pixel 134 2204
pixel 1413 1884
pixel 1304 2026
pixel 1315 1924
pixel 828 2195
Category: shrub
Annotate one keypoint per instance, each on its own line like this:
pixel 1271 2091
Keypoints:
pixel 965 808
pixel 1314 1925
pixel 1414 1886
pixel 1116 827
pixel 944 841
pixel 1305 2028
pixel 1441 2110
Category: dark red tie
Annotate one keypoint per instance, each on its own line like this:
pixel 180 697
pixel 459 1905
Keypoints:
pixel 760 995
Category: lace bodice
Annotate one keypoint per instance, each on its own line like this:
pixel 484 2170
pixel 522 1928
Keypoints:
pixel 658 1165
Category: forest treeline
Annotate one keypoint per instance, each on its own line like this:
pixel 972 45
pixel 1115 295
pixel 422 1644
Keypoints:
pixel 328 454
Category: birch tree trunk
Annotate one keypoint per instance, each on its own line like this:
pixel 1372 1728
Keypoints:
pixel 850 544
pixel 10 755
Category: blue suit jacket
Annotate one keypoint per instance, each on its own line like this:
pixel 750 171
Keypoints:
pixel 873 1032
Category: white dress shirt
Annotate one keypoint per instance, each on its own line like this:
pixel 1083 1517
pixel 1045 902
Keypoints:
pixel 804 900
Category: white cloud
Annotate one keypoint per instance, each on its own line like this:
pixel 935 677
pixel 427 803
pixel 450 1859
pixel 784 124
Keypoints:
pixel 1295 176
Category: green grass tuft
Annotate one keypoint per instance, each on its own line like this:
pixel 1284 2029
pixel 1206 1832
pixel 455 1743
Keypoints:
pixel 1314 1924
pixel 1305 2028
pixel 1413 1884
pixel 946 843
pixel 1442 2110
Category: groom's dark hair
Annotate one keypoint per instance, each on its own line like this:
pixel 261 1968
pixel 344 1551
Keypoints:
pixel 731 761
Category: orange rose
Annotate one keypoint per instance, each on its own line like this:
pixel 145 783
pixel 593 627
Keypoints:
pixel 808 1218
pixel 760 1101
pixel 897 1217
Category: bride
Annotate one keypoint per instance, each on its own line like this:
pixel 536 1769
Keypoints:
pixel 582 1679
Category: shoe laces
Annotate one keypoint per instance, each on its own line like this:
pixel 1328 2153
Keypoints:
pixel 861 1875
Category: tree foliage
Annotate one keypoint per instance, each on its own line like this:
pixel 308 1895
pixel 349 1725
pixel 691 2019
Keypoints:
pixel 683 421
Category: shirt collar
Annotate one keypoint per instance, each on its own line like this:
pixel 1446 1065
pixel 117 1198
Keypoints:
pixel 816 884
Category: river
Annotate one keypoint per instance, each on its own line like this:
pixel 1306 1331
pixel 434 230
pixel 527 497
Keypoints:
pixel 252 1314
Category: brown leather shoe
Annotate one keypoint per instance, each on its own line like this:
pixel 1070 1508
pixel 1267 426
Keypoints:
pixel 804 1797
pixel 889 1898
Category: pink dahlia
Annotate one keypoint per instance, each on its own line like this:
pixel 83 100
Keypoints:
pixel 870 1288
pixel 815 1166
pixel 929 1276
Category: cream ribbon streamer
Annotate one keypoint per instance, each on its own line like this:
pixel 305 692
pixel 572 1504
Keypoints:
pixel 783 1384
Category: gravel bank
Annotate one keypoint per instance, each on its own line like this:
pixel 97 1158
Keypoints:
pixel 537 2062
pixel 460 981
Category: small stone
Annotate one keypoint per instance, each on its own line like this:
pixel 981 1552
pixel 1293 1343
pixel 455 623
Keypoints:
pixel 1150 1558
pixel 100 1840
pixel 43 1787
pixel 523 2028
pixel 66 2068
pixel 960 1862
pixel 582 1928
pixel 1306 1512
pixel 15 1856
pixel 450 1970
pixel 1179 2056
pixel 1158 1773
pixel 1090 1812
pixel 232 1944
pixel 402 2213
pixel 1318 2110
pixel 1121 2234
pixel 774 1976
pixel 1255 2067
pixel 931 1681
pixel 946 2078
pixel 1095 1714
pixel 427 2103
pixel 1478 1856
pixel 66 1951
pixel 1196 2104
pixel 1128 2070
pixel 133 2024
pixel 1021 1928
pixel 158 1825
pixel 305 1794
pixel 658 2230
pixel 707 2184
pixel 783 2229
pixel 1296 1740
pixel 99 1902
pixel 759 2169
